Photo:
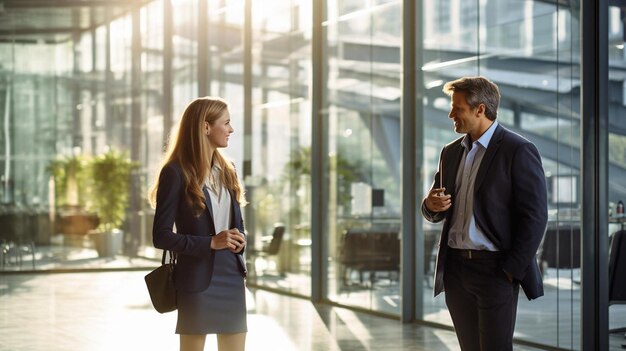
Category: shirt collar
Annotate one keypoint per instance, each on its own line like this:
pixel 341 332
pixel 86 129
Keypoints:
pixel 484 139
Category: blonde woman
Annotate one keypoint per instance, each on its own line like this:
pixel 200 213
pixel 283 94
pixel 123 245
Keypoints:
pixel 198 193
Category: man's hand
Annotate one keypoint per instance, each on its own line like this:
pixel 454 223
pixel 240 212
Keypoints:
pixel 230 239
pixel 437 200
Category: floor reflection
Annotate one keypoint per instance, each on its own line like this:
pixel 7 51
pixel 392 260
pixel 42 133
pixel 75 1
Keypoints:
pixel 83 311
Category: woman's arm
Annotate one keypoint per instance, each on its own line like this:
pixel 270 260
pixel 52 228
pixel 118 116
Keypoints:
pixel 168 199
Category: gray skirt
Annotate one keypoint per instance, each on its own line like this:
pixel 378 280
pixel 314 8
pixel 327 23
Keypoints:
pixel 221 308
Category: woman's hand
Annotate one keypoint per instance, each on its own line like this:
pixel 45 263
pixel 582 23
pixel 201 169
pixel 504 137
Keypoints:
pixel 230 239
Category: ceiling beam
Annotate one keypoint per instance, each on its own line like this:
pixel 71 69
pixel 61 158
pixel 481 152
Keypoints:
pixel 37 31
pixel 30 4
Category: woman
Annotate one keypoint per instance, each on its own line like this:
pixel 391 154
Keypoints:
pixel 198 217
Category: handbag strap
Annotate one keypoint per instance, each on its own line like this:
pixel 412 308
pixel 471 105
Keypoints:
pixel 172 257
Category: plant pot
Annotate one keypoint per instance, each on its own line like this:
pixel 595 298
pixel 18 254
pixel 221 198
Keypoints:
pixel 76 224
pixel 108 244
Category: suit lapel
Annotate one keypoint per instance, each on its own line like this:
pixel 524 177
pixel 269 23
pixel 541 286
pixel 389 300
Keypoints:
pixel 453 161
pixel 207 202
pixel 235 210
pixel 492 149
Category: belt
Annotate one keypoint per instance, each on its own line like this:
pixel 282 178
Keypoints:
pixel 474 254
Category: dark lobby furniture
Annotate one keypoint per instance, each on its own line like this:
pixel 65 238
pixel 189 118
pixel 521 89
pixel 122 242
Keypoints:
pixel 20 228
pixel 12 253
pixel 618 219
pixel 560 248
pixel 271 248
pixel 617 273
pixel 431 246
pixel 378 250
pixel 369 250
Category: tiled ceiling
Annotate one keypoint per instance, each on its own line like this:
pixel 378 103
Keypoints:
pixel 53 21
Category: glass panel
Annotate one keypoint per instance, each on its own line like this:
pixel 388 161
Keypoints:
pixel 63 99
pixel 152 32
pixel 65 104
pixel 530 49
pixel 185 60
pixel 362 98
pixel 32 104
pixel 226 67
pixel 280 185
pixel 617 176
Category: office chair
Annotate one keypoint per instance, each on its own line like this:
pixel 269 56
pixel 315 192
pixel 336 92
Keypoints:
pixel 12 253
pixel 560 249
pixel 271 248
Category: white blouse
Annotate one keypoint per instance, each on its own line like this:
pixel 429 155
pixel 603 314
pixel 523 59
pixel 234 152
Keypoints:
pixel 220 200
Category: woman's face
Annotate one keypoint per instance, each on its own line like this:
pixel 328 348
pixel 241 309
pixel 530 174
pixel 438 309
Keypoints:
pixel 220 130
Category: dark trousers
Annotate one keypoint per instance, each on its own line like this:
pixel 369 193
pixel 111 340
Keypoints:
pixel 481 300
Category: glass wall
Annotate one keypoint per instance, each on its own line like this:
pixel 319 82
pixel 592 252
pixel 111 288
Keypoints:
pixel 117 84
pixel 37 107
pixel 281 145
pixel 617 170
pixel 154 130
pixel 362 98
pixel 58 116
pixel 185 54
pixel 225 56
pixel 531 50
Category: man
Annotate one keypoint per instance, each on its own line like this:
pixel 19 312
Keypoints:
pixel 490 191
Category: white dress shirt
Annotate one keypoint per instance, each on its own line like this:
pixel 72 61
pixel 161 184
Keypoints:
pixel 464 232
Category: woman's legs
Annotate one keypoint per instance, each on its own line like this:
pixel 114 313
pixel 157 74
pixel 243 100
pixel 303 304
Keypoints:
pixel 231 342
pixel 192 342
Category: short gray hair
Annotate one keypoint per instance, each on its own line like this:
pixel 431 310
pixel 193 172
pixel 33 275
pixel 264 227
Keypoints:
pixel 478 90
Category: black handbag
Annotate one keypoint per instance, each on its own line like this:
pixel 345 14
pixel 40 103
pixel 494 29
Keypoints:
pixel 160 284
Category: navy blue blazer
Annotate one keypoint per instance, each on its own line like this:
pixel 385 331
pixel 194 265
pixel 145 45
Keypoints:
pixel 192 240
pixel 510 205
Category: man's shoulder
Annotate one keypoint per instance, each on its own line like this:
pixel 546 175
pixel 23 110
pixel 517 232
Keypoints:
pixel 454 143
pixel 512 138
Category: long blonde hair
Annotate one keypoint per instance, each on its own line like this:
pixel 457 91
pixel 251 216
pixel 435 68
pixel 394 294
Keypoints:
pixel 189 147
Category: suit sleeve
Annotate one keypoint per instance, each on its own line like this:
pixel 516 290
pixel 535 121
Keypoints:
pixel 242 230
pixel 240 226
pixel 169 194
pixel 530 213
pixel 431 216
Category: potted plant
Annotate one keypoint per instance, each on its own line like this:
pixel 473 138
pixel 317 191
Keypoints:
pixel 70 178
pixel 110 182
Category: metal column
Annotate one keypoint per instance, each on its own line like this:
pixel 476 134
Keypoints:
pixel 203 48
pixel 408 176
pixel 168 33
pixel 594 168
pixel 319 153
pixel 133 240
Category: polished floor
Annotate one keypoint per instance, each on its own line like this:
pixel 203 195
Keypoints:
pixel 112 311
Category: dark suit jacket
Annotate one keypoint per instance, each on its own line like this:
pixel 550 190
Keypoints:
pixel 192 240
pixel 510 205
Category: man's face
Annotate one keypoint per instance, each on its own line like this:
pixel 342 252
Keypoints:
pixel 465 118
